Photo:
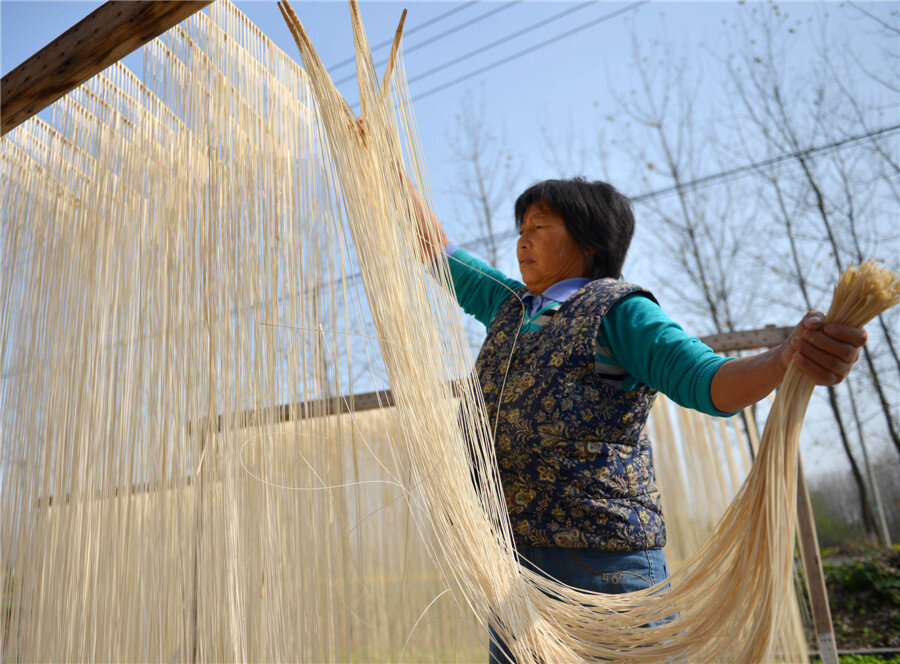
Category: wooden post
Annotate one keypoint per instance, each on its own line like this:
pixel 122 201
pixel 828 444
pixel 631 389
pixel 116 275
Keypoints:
pixel 102 38
pixel 815 577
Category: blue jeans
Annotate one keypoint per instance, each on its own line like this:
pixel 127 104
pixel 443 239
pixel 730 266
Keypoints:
pixel 608 572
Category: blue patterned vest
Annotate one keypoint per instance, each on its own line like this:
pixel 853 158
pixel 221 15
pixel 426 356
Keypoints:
pixel 574 460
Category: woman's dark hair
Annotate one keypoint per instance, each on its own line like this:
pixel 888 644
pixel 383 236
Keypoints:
pixel 597 216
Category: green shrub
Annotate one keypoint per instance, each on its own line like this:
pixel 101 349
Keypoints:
pixel 859 584
pixel 864 595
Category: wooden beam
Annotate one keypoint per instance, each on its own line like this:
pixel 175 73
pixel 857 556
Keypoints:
pixel 101 39
pixel 292 412
pixel 766 337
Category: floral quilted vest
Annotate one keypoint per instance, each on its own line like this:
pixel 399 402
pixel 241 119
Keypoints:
pixel 576 465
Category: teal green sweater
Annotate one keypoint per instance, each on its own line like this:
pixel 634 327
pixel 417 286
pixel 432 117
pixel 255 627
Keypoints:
pixel 640 337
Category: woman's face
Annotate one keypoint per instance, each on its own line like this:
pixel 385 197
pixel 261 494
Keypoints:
pixel 546 251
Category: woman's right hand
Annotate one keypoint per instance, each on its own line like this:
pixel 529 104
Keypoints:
pixel 432 237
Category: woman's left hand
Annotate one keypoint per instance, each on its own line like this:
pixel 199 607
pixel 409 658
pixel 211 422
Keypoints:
pixel 824 352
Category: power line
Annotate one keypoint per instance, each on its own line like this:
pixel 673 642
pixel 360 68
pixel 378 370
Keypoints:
pixel 732 172
pixel 530 49
pixel 706 179
pixel 412 30
pixel 767 162
pixel 503 40
pixel 457 28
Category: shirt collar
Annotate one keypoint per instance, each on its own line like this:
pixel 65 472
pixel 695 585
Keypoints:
pixel 558 292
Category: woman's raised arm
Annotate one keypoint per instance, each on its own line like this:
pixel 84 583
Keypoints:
pixel 431 233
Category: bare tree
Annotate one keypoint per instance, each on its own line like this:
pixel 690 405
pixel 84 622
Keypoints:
pixel 760 86
pixel 793 267
pixel 886 30
pixel 487 172
pixel 778 117
pixel 841 65
pixel 703 236
pixel 705 233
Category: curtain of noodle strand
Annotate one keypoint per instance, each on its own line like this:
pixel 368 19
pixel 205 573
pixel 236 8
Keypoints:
pixel 726 601
pixel 703 453
pixel 177 332
pixel 173 271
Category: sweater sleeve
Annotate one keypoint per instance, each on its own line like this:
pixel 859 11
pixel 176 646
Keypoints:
pixel 480 288
pixel 656 351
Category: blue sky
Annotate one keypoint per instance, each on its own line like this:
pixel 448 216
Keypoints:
pixel 566 84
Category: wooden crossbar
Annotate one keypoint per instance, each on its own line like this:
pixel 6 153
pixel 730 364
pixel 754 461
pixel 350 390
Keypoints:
pixel 101 39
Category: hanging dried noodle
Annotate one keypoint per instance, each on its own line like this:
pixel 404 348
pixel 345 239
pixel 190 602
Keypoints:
pixel 179 331
pixel 724 604
pixel 690 459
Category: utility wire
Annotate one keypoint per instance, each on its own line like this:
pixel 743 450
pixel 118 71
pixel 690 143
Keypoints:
pixel 412 30
pixel 698 182
pixel 768 162
pixel 732 172
pixel 447 33
pixel 530 49
pixel 503 40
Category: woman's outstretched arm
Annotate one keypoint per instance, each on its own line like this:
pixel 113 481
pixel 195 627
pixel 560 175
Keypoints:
pixel 825 352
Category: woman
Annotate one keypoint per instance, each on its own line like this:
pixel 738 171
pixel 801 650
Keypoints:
pixel 569 369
